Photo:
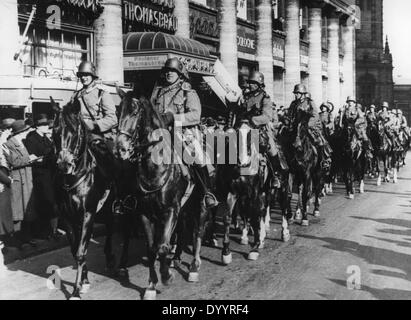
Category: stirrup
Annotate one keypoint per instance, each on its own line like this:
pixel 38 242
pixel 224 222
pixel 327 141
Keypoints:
pixel 117 207
pixel 210 201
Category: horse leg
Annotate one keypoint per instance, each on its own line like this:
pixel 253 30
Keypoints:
pixel 150 293
pixel 108 246
pixel 256 223
pixel 198 234
pixel 126 227
pixel 226 255
pixel 163 248
pixel 283 200
pixel 299 210
pixel 85 236
pixel 305 200
pixel 379 179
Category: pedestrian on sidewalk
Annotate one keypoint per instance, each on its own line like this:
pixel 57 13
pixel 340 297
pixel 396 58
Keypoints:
pixel 39 145
pixel 18 160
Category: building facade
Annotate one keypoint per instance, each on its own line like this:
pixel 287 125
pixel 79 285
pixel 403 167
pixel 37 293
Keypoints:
pixel 290 41
pixel 374 60
pixel 402 95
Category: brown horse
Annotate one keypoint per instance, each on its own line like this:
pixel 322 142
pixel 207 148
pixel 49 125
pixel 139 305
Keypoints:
pixel 163 189
pixel 82 188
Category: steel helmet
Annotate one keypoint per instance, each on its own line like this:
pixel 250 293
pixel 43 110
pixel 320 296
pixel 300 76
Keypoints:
pixel 385 105
pixel 257 77
pixel 174 64
pixel 87 67
pixel 351 99
pixel 300 88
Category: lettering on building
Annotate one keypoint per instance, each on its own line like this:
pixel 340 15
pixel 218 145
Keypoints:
pixel 93 5
pixel 142 13
pixel 246 43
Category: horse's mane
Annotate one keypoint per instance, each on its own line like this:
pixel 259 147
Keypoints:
pixel 70 116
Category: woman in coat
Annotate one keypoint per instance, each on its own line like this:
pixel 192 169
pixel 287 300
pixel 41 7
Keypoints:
pixel 6 216
pixel 18 160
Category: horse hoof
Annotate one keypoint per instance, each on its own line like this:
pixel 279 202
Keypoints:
pixel 305 223
pixel 173 249
pixel 227 259
pixel 75 299
pixel 317 214
pixel 351 197
pixel 85 288
pixel 286 236
pixel 214 243
pixel 169 280
pixel 150 295
pixel 261 246
pixel 193 277
pixel 244 242
pixel 253 256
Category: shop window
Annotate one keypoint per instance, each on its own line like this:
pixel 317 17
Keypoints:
pixel 54 53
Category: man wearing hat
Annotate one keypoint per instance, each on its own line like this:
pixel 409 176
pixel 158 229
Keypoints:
pixel 302 103
pixel 177 102
pixel 38 144
pixel 353 114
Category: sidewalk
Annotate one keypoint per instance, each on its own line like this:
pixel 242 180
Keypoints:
pixel 13 254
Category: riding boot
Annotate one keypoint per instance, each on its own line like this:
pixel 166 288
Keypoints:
pixel 368 149
pixel 209 199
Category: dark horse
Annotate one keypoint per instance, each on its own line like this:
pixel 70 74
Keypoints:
pixel 382 152
pixel 353 158
pixel 163 188
pixel 83 187
pixel 305 167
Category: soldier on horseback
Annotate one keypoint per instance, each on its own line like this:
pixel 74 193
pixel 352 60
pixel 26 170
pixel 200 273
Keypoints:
pixel 353 114
pixel 176 102
pixel 99 114
pixel 258 109
pixel 403 123
pixel 302 102
pixel 326 117
pixel 371 116
pixel 391 126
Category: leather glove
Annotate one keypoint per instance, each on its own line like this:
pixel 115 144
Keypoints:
pixel 168 118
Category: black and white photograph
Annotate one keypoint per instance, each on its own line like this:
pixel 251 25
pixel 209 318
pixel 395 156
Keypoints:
pixel 217 152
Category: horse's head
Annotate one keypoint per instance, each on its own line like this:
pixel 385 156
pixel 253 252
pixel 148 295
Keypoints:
pixel 131 112
pixel 73 139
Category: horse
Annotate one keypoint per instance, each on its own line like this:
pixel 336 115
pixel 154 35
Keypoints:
pixel 83 187
pixel 163 188
pixel 383 152
pixel 305 167
pixel 353 159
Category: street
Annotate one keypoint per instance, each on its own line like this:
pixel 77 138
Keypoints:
pixel 367 239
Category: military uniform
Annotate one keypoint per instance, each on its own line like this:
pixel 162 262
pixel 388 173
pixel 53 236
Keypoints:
pixel 371 117
pixel 97 109
pixel 327 122
pixel 391 128
pixel 314 126
pixel 180 100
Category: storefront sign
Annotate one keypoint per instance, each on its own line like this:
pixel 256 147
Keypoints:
pixel 150 15
pixel 203 24
pixel 246 40
pixel 93 5
pixel 144 62
pixel 156 62
pixel 278 51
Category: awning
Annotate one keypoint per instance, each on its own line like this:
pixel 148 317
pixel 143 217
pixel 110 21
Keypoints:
pixel 150 50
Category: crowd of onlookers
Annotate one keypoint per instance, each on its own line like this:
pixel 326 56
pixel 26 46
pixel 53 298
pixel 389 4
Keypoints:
pixel 27 201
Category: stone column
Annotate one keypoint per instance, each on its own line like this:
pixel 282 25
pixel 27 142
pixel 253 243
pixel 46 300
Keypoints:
pixel 227 21
pixel 182 12
pixel 9 38
pixel 315 53
pixel 109 42
pixel 292 48
pixel 333 59
pixel 348 65
pixel 265 44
